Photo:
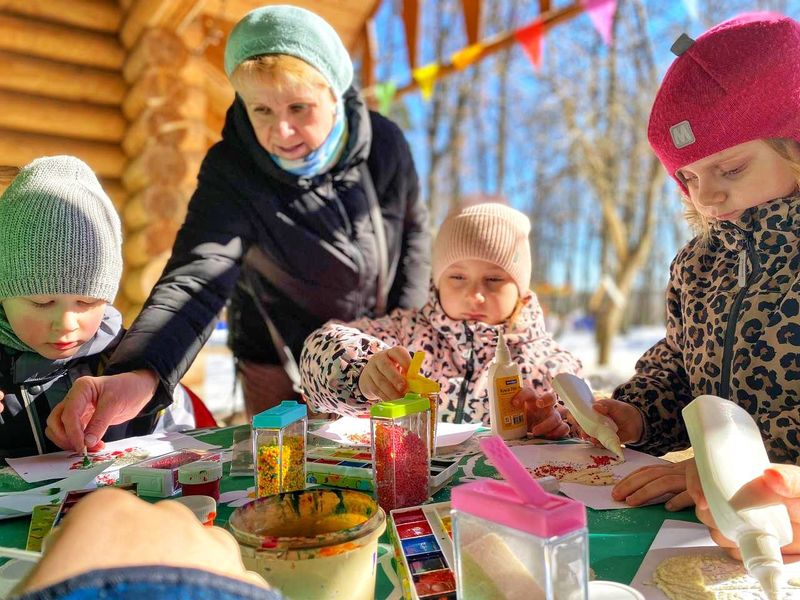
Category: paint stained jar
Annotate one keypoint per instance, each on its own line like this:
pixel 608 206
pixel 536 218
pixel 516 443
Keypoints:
pixel 400 451
pixel 279 448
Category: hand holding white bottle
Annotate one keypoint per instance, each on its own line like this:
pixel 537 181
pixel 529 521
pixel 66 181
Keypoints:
pixel 729 453
pixel 578 397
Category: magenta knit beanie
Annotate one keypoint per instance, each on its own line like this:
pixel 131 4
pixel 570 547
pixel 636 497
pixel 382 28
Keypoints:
pixel 492 232
pixel 740 81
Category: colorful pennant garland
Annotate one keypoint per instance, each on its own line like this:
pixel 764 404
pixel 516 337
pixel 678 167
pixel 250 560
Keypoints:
pixel 466 56
pixel 601 12
pixel 384 94
pixel 426 79
pixel 531 38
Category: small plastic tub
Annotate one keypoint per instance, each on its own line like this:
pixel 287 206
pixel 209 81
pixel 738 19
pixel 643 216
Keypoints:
pixel 203 507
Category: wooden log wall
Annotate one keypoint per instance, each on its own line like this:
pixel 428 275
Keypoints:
pixel 122 86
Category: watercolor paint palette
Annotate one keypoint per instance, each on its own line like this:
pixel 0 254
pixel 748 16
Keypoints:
pixel 158 477
pixel 422 537
pixel 352 468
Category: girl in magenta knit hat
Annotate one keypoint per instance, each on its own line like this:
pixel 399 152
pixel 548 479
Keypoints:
pixel 726 126
pixel 480 286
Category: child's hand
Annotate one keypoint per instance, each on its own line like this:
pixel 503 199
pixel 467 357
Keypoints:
pixel 654 481
pixel 544 420
pixel 629 421
pixel 780 484
pixel 384 377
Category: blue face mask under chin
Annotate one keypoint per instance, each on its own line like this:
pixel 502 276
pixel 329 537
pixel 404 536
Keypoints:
pixel 323 158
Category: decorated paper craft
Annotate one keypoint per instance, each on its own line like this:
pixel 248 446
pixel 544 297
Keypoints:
pixel 58 465
pixel 354 431
pixel 685 562
pixel 585 472
pixel 17 504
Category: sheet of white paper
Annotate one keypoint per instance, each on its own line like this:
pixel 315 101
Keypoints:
pixel 354 431
pixel 451 434
pixel 58 465
pixel 680 538
pixel 17 504
pixel 593 496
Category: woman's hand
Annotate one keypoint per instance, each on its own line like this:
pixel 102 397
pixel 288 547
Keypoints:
pixel 543 419
pixel 111 528
pixel 654 481
pixel 93 404
pixel 384 377
pixel 780 484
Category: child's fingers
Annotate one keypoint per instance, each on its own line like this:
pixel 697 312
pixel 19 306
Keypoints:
pixel 547 424
pixel 401 356
pixel 389 374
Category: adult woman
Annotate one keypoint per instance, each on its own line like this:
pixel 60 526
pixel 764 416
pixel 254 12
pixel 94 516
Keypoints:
pixel 309 204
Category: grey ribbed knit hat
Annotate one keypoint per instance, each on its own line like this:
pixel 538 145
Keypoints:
pixel 59 233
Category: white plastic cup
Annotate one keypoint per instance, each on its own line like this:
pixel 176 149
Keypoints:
pixel 611 590
pixel 203 507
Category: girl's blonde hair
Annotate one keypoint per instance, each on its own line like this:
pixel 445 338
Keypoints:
pixel 281 72
pixel 788 150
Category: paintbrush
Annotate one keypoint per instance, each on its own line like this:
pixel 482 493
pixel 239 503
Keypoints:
pixel 87 462
pixel 20 554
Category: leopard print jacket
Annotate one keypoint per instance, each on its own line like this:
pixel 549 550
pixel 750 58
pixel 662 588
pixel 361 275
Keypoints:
pixel 458 355
pixel 733 330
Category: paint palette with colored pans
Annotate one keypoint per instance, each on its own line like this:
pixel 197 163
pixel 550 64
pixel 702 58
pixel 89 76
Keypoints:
pixel 352 468
pixel 422 537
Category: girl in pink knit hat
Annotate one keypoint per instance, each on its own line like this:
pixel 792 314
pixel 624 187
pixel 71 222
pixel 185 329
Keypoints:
pixel 480 286
pixel 726 125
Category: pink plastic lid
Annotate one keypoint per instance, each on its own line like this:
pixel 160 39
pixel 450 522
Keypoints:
pixel 496 501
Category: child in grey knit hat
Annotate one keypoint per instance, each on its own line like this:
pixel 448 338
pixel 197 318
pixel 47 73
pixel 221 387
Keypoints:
pixel 60 267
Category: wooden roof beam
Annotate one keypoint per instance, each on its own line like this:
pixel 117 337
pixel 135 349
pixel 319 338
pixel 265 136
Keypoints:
pixel 472 19
pixel 97 15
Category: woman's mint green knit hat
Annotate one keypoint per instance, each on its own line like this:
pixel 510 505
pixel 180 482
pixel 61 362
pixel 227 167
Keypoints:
pixel 59 233
pixel 294 31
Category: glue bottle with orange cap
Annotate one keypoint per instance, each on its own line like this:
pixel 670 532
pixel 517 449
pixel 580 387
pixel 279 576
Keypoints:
pixel 419 384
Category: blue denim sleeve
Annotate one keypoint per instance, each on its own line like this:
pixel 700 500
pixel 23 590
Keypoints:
pixel 153 583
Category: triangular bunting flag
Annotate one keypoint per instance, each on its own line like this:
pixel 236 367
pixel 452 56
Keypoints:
pixel 384 94
pixel 692 10
pixel 426 79
pixel 530 38
pixel 466 56
pixel 601 12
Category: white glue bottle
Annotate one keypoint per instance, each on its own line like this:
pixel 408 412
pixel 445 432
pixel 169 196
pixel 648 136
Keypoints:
pixel 576 394
pixel 729 453
pixel 505 380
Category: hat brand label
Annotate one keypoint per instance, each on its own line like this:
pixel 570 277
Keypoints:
pixel 682 134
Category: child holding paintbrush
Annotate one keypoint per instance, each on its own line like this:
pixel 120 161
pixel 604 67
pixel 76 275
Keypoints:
pixel 60 266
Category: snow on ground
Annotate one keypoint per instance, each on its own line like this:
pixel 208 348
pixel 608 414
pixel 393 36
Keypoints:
pixel 625 351
pixel 219 396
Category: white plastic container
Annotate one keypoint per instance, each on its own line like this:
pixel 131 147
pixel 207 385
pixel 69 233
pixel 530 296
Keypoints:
pixel 729 453
pixel 578 397
pixel 505 380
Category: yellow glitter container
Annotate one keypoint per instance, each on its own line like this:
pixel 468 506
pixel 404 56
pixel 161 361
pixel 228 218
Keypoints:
pixel 279 449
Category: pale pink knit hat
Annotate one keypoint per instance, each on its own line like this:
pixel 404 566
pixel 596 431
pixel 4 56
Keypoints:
pixel 739 81
pixel 492 232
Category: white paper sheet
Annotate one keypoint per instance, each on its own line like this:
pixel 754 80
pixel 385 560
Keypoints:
pixel 354 431
pixel 58 465
pixel 593 496
pixel 17 504
pixel 680 538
